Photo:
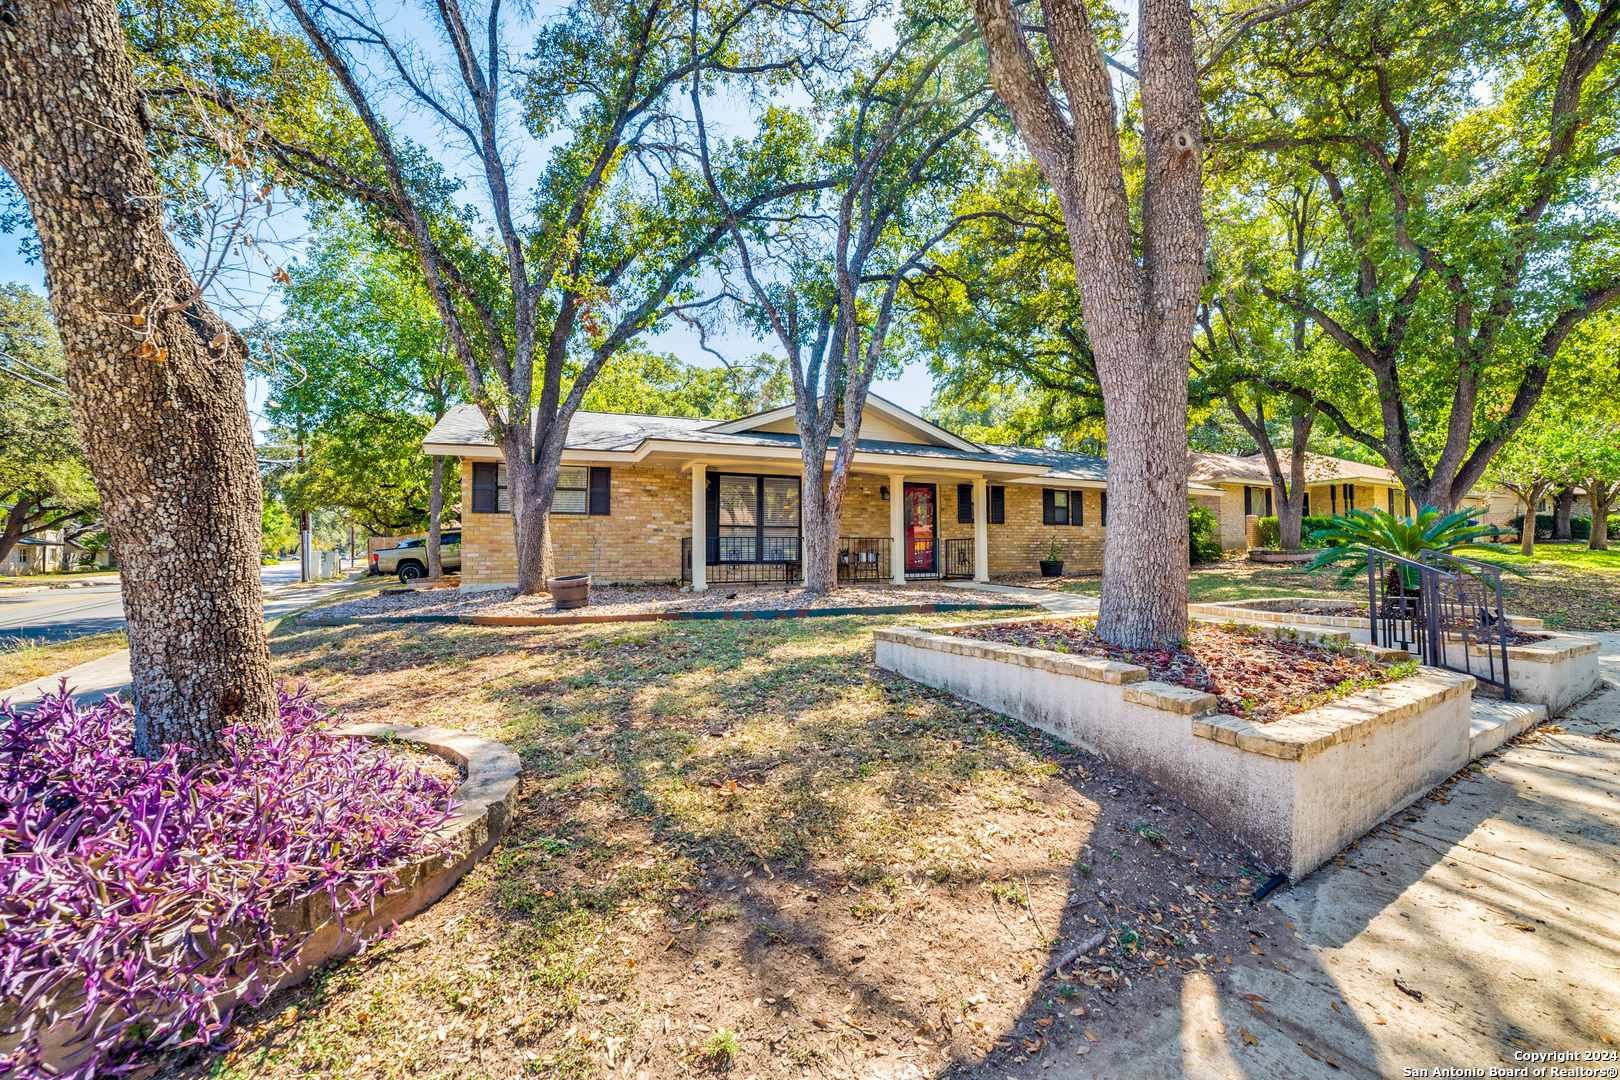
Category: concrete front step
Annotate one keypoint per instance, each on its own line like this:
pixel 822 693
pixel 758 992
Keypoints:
pixel 1493 722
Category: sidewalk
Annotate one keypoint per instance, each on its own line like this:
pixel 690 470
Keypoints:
pixel 97 679
pixel 7 589
pixel 1497 898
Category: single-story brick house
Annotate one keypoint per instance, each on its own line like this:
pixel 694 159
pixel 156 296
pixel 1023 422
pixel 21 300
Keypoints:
pixel 1332 486
pixel 640 494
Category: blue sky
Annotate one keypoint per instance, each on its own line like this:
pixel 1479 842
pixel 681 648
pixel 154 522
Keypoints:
pixel 911 390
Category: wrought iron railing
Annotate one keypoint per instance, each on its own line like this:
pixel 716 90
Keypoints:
pixel 1469 616
pixel 1444 609
pixel 734 559
pixel 864 558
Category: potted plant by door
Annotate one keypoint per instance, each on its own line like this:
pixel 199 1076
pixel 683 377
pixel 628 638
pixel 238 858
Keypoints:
pixel 570 591
pixel 1052 565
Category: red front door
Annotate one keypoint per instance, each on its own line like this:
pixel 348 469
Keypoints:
pixel 920 527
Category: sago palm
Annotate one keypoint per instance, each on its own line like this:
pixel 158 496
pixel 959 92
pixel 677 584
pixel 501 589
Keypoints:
pixel 1354 533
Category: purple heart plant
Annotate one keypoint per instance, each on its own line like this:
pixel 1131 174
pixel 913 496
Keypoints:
pixel 134 892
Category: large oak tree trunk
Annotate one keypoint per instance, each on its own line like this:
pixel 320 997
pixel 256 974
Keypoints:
pixel 155 376
pixel 1563 507
pixel 1139 314
pixel 820 525
pixel 1600 495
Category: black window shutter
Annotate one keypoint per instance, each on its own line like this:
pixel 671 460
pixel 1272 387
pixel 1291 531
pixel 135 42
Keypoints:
pixel 1269 512
pixel 1104 501
pixel 1048 506
pixel 1248 500
pixel 601 491
pixel 712 511
pixel 1077 508
pixel 483 487
pixel 998 506
pixel 964 504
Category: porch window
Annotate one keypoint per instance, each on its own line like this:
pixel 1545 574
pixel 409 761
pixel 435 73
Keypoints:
pixel 489 488
pixel 756 518
pixel 1059 507
pixel 573 490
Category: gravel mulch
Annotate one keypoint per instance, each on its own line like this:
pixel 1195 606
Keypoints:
pixel 654 599
pixel 1253 676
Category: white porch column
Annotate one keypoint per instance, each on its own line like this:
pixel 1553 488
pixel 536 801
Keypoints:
pixel 897 528
pixel 700 526
pixel 981 530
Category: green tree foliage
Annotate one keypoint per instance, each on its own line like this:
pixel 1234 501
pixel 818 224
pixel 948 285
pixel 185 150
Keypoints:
pixel 279 529
pixel 1463 157
pixel 538 290
pixel 887 155
pixel 44 482
pixel 360 367
pixel 381 483
pixel 1589 456
pixel 998 317
pixel 659 384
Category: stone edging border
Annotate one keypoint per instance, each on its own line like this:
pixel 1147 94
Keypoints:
pixel 487 799
pixel 658 616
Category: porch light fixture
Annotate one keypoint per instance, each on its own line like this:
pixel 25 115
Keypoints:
pixel 883 493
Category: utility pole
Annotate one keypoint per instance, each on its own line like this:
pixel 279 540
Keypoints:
pixel 303 516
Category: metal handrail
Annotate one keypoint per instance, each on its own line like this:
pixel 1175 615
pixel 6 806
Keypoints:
pixel 1408 618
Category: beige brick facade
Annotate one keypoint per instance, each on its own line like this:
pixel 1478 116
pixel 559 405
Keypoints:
pixel 640 540
pixel 1229 507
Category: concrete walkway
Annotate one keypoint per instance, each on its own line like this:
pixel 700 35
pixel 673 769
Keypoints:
pixel 95 680
pixel 1497 898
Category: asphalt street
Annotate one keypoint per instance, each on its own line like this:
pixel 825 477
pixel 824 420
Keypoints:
pixel 57 614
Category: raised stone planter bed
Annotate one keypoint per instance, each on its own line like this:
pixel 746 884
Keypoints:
pixel 1295 790
pixel 1556 671
pixel 485 802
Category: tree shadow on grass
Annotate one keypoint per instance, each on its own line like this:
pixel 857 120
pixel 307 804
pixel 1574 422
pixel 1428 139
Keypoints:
pixel 750 828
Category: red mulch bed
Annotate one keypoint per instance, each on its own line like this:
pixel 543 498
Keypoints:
pixel 1254 676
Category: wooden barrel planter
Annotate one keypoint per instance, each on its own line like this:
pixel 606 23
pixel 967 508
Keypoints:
pixel 570 591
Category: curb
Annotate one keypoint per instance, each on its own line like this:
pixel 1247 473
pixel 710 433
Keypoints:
pixel 659 616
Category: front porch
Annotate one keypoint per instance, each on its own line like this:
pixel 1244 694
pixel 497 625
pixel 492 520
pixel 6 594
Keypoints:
pixel 748 527
pixel 860 558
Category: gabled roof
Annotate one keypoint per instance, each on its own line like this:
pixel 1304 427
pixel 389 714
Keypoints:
pixel 925 431
pixel 1252 469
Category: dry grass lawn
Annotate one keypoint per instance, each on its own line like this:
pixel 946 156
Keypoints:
pixel 744 850
pixel 25 661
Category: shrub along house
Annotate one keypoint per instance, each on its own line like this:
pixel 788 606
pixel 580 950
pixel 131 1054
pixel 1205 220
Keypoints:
pixel 1332 486
pixel 665 498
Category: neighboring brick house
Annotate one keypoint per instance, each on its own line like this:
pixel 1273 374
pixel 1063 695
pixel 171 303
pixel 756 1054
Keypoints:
pixel 639 494
pixel 1332 486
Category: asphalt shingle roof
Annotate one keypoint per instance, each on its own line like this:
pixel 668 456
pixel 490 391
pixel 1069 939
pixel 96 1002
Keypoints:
pixel 464 425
